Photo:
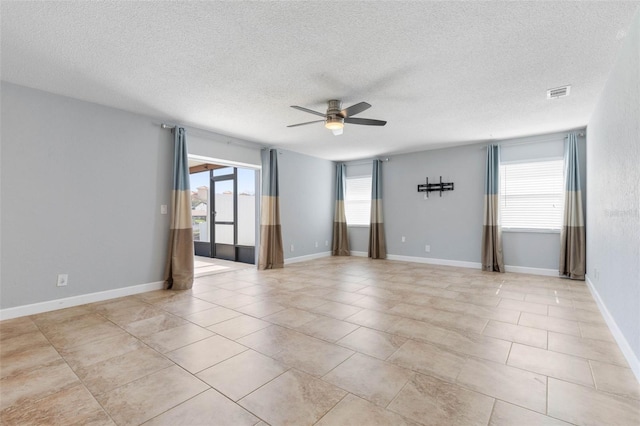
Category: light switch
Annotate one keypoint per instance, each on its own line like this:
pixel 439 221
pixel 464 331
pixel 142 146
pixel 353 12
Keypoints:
pixel 163 209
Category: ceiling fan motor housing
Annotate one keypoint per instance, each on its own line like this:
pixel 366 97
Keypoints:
pixel 334 107
pixel 334 120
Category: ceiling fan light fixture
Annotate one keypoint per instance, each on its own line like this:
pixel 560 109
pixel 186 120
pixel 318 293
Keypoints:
pixel 334 123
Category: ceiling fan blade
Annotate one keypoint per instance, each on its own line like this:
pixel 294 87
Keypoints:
pixel 310 111
pixel 304 124
pixel 355 109
pixel 365 121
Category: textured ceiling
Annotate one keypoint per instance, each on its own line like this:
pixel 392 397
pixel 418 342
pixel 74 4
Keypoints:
pixel 440 73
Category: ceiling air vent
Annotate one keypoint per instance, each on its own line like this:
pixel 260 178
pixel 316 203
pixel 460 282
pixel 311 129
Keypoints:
pixel 558 92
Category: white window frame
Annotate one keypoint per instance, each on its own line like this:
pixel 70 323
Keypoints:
pixel 559 185
pixel 364 197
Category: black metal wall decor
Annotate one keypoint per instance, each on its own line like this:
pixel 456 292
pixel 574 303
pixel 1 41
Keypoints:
pixel 429 187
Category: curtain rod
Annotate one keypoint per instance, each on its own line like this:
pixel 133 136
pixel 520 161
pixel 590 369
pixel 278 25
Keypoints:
pixel 358 162
pixel 527 142
pixel 208 133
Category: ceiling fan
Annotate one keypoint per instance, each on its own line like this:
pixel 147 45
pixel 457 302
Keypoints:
pixel 335 116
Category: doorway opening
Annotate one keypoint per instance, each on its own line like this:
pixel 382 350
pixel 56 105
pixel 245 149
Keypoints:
pixel 223 211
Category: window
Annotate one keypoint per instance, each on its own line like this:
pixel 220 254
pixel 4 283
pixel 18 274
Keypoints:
pixel 532 195
pixel 357 201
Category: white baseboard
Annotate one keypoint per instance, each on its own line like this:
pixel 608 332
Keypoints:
pixel 462 264
pixel 624 346
pixel 67 302
pixel 533 271
pixel 433 261
pixel 307 257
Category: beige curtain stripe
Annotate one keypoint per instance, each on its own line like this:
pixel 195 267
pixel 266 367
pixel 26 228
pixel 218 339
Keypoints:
pixel 376 211
pixel 182 218
pixel 573 209
pixel 339 213
pixel 270 214
pixel 490 216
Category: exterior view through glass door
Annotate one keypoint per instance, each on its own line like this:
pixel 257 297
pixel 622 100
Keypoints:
pixel 223 212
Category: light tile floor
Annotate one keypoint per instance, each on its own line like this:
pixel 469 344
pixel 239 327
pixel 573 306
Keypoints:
pixel 334 341
pixel 209 266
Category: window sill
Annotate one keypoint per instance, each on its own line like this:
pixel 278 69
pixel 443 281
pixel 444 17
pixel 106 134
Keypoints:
pixel 531 230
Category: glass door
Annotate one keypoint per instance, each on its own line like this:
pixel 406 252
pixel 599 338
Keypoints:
pixel 224 214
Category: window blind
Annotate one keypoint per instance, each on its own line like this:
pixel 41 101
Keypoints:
pixel 357 203
pixel 532 195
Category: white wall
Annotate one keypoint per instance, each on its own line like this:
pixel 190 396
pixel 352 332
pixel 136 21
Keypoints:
pixel 452 224
pixel 613 204
pixel 306 203
pixel 82 186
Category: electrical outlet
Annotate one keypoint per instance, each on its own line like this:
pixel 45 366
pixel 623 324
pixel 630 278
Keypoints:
pixel 63 279
pixel 326 243
pixel 404 239
pixel 316 244
pixel 291 247
pixel 427 248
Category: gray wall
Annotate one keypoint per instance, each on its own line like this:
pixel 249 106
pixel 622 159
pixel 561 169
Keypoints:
pixel 82 186
pixel 452 225
pixel 613 205
pixel 306 203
